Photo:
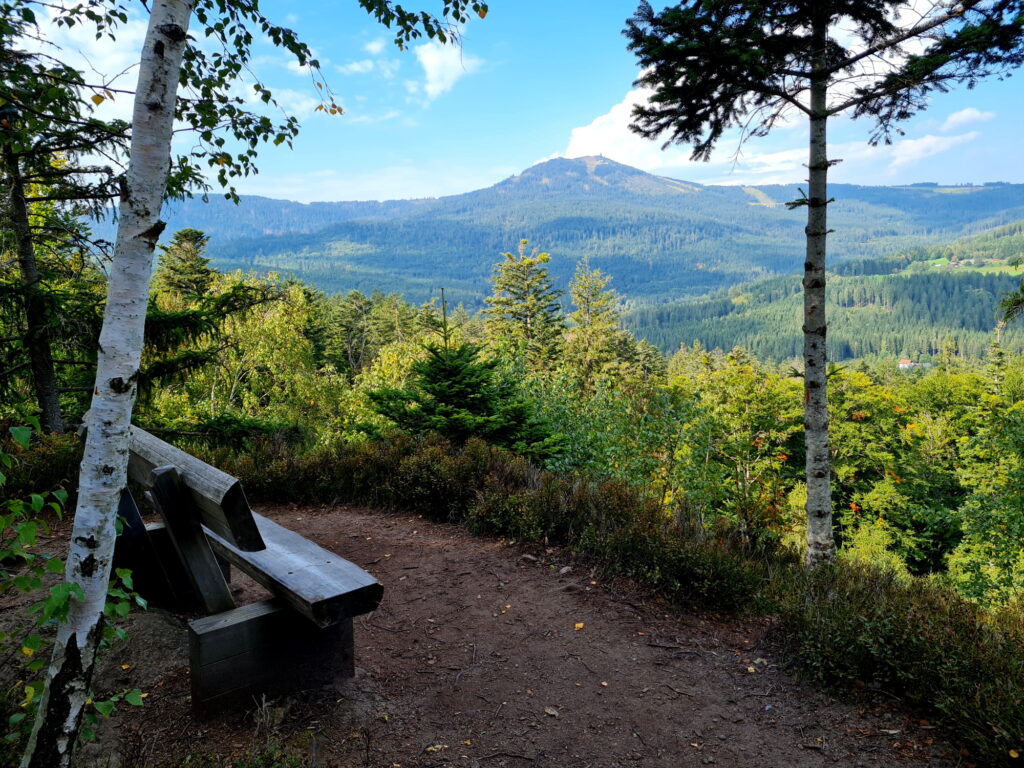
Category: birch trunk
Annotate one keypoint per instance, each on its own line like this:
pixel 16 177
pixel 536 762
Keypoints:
pixel 104 466
pixel 37 338
pixel 820 545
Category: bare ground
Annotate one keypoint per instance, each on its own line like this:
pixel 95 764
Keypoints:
pixel 486 654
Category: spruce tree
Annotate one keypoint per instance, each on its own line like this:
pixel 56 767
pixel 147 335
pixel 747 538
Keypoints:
pixel 595 342
pixel 184 268
pixel 524 316
pixel 456 393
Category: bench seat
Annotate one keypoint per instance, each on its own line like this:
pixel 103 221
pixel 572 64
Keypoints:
pixel 322 586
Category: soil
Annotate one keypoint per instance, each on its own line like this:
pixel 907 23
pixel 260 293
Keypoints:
pixel 487 654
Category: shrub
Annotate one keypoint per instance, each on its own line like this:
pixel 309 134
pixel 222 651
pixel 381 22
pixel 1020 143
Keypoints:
pixel 49 463
pixel 859 626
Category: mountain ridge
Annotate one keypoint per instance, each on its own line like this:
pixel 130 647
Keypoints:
pixel 660 238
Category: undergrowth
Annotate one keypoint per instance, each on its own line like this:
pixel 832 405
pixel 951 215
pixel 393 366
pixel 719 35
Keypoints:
pixel 847 624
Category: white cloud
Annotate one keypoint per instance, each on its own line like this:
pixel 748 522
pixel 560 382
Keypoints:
pixel 375 47
pixel 966 117
pixel 388 68
pixel 390 115
pixel 443 66
pixel 101 61
pixel 609 135
pixel 360 67
pixel 911 151
pixel 777 159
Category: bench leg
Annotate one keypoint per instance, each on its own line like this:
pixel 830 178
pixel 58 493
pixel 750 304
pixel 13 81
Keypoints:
pixel 263 648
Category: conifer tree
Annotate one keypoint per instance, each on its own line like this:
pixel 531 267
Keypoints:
pixel 524 316
pixel 714 65
pixel 184 268
pixel 595 342
pixel 455 393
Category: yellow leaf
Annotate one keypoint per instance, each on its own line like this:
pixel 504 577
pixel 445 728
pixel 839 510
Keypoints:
pixel 27 651
pixel 579 625
pixel 1014 754
pixel 97 99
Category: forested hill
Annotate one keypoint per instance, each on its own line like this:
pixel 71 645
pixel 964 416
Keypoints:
pixel 660 238
pixel 911 305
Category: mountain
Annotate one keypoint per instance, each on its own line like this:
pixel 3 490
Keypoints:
pixel 911 305
pixel 660 238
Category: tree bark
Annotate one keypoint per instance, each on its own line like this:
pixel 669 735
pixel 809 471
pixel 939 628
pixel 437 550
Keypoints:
pixel 37 336
pixel 820 545
pixel 104 466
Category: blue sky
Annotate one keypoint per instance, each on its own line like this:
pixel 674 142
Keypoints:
pixel 538 79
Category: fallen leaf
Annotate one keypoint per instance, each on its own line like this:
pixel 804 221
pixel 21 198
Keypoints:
pixel 551 711
pixel 579 625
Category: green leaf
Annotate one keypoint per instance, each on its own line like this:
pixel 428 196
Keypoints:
pixel 125 575
pixel 55 565
pixel 105 708
pixel 134 697
pixel 21 435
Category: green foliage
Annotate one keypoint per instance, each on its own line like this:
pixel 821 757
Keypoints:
pixel 988 565
pixel 455 394
pixel 524 316
pixel 906 314
pixel 22 521
pixel 184 270
pixel 856 625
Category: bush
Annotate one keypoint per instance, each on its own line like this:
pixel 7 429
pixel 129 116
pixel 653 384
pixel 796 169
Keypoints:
pixel 859 626
pixel 850 623
pixel 49 463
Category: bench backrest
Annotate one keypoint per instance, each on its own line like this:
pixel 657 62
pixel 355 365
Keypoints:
pixel 218 496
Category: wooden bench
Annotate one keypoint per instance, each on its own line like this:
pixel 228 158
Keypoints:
pixel 301 638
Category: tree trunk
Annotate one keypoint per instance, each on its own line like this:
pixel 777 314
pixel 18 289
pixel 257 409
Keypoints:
pixel 37 337
pixel 104 466
pixel 820 545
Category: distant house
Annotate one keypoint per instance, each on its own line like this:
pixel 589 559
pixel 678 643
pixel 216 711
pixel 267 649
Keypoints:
pixel 907 364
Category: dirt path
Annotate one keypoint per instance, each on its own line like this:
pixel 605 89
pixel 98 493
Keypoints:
pixel 483 654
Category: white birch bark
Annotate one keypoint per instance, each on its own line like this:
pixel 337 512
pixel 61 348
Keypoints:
pixel 820 545
pixel 104 466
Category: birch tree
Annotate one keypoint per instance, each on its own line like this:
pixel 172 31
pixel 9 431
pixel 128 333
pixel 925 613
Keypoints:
pixel 167 62
pixel 713 65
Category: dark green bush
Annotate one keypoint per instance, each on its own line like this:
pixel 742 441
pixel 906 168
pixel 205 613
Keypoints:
pixel 49 463
pixel 915 638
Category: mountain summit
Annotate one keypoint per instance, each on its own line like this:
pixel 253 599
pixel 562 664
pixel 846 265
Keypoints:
pixel 593 174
